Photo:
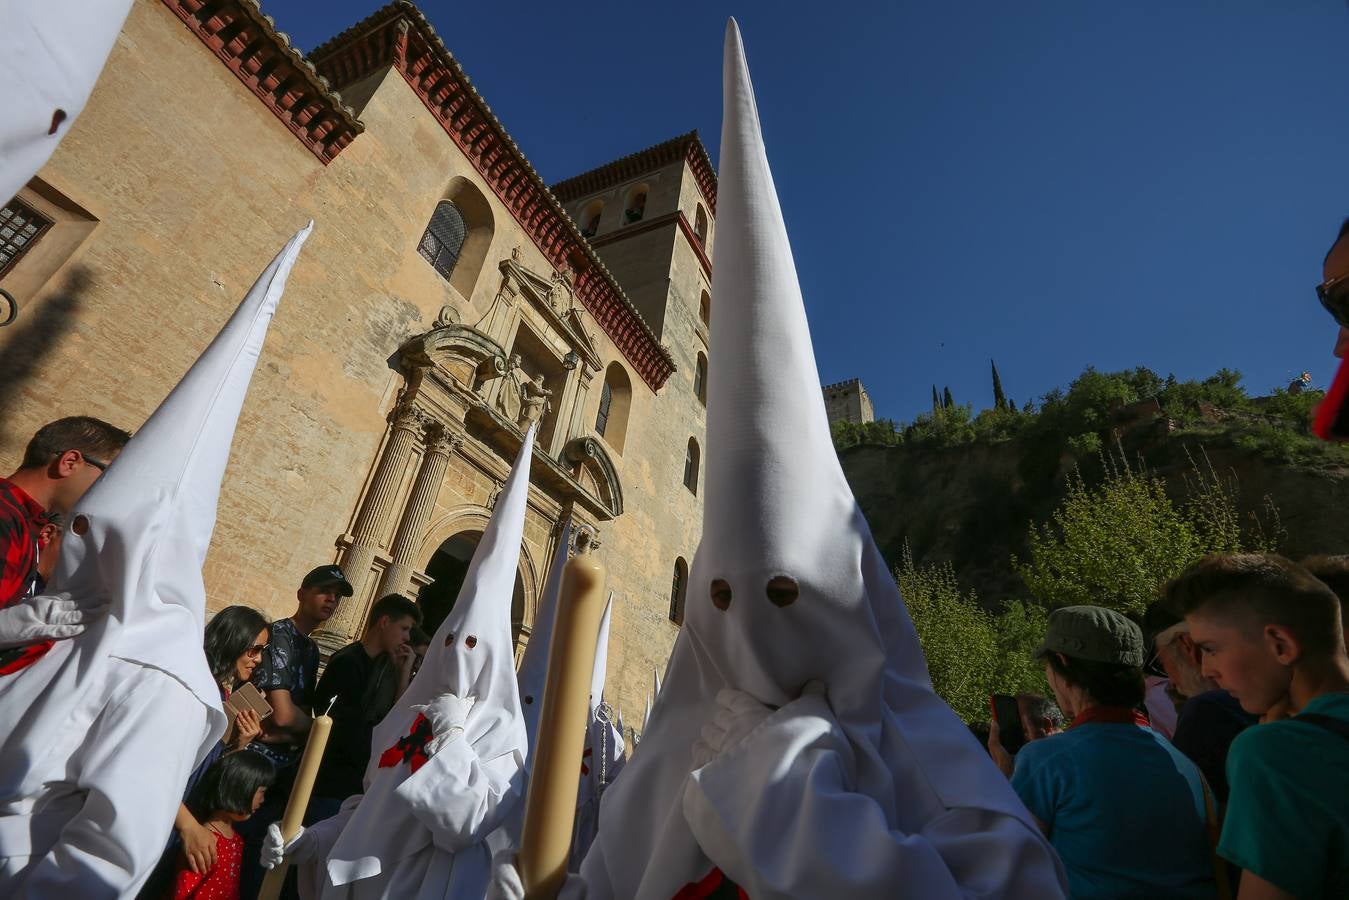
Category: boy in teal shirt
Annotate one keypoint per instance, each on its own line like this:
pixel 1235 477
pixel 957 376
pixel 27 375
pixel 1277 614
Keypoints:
pixel 1270 634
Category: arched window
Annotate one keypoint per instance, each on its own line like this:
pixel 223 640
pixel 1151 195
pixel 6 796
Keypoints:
pixel 444 238
pixel 700 225
pixel 700 378
pixel 635 208
pixel 705 308
pixel 677 591
pixel 590 218
pixel 691 466
pixel 611 421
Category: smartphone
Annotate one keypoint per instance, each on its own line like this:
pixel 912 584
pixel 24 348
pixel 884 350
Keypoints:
pixel 1008 716
pixel 1332 416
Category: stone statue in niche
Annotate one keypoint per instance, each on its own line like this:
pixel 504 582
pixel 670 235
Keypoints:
pixel 535 405
pixel 510 398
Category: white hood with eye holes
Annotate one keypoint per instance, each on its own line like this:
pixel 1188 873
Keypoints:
pixel 471 655
pixel 137 539
pixel 51 53
pixel 787 586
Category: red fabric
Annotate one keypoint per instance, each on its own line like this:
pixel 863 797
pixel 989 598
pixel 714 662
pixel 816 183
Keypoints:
pixel 410 749
pixel 21 518
pixel 1119 715
pixel 221 882
pixel 715 886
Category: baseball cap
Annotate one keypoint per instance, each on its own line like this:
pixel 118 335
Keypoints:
pixel 329 574
pixel 1095 634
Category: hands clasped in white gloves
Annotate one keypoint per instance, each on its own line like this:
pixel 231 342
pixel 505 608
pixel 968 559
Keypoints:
pixel 275 850
pixel 737 715
pixel 46 616
pixel 448 715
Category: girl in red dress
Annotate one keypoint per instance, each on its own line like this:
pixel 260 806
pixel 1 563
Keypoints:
pixel 231 790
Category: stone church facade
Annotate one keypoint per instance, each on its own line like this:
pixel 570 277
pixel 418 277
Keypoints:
pixel 446 299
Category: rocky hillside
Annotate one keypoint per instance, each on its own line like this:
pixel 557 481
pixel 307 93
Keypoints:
pixel 971 502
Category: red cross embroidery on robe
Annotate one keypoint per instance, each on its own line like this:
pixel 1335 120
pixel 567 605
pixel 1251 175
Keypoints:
pixel 715 886
pixel 410 749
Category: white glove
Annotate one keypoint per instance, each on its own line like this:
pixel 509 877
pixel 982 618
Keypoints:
pixel 54 616
pixel 448 715
pixel 275 851
pixel 506 883
pixel 737 715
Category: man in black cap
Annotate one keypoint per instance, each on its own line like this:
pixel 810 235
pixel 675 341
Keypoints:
pixel 287 676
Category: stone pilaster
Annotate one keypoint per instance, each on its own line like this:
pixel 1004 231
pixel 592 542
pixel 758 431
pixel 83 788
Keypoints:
pixel 372 523
pixel 440 443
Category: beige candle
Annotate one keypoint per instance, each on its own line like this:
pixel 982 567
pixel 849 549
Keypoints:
pixel 293 818
pixel 550 806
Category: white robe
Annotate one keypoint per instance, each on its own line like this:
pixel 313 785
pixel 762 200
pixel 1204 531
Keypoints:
pixel 455 801
pixel 63 812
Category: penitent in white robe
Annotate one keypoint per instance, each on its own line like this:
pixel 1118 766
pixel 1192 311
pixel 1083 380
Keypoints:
pixel 98 764
pixel 423 835
pixel 99 736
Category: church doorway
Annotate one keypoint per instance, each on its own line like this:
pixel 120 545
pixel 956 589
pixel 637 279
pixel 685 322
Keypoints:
pixel 448 566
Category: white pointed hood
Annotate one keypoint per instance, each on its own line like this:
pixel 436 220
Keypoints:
pixel 51 53
pixel 148 520
pixel 601 668
pixel 778 513
pixel 471 655
pixel 534 664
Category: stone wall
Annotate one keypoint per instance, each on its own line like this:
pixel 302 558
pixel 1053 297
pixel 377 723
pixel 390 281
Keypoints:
pixel 176 186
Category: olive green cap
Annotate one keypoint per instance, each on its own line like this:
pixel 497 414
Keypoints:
pixel 1093 633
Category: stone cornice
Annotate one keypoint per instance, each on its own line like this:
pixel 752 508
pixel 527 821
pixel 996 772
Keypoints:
pixel 400 36
pixel 249 45
pixel 687 147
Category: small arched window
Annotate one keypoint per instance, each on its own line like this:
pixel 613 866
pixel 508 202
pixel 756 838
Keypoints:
pixel 635 208
pixel 691 467
pixel 611 421
pixel 444 238
pixel 700 378
pixel 590 218
pixel 678 590
pixel 705 308
pixel 700 225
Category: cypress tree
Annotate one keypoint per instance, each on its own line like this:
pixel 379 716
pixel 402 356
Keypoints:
pixel 936 404
pixel 947 402
pixel 999 398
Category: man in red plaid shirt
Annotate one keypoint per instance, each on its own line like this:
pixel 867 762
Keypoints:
pixel 63 459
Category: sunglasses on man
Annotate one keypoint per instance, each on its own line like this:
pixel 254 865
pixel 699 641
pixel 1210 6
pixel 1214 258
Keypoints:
pixel 1334 296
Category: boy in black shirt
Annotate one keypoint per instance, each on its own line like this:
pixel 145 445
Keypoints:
pixel 362 680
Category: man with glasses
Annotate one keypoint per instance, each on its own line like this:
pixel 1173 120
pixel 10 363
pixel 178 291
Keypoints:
pixel 62 460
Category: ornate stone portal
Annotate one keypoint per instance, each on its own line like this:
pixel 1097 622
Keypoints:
pixel 455 429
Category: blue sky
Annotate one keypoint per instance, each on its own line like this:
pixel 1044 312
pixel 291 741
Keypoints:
pixel 1052 184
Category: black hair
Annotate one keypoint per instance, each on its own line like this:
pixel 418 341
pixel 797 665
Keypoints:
pixel 395 606
pixel 1109 684
pixel 228 635
pixel 92 437
pixel 230 783
pixel 419 638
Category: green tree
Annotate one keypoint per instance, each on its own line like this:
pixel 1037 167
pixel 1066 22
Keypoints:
pixel 947 401
pixel 1116 543
pixel 999 398
pixel 936 401
pixel 970 652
